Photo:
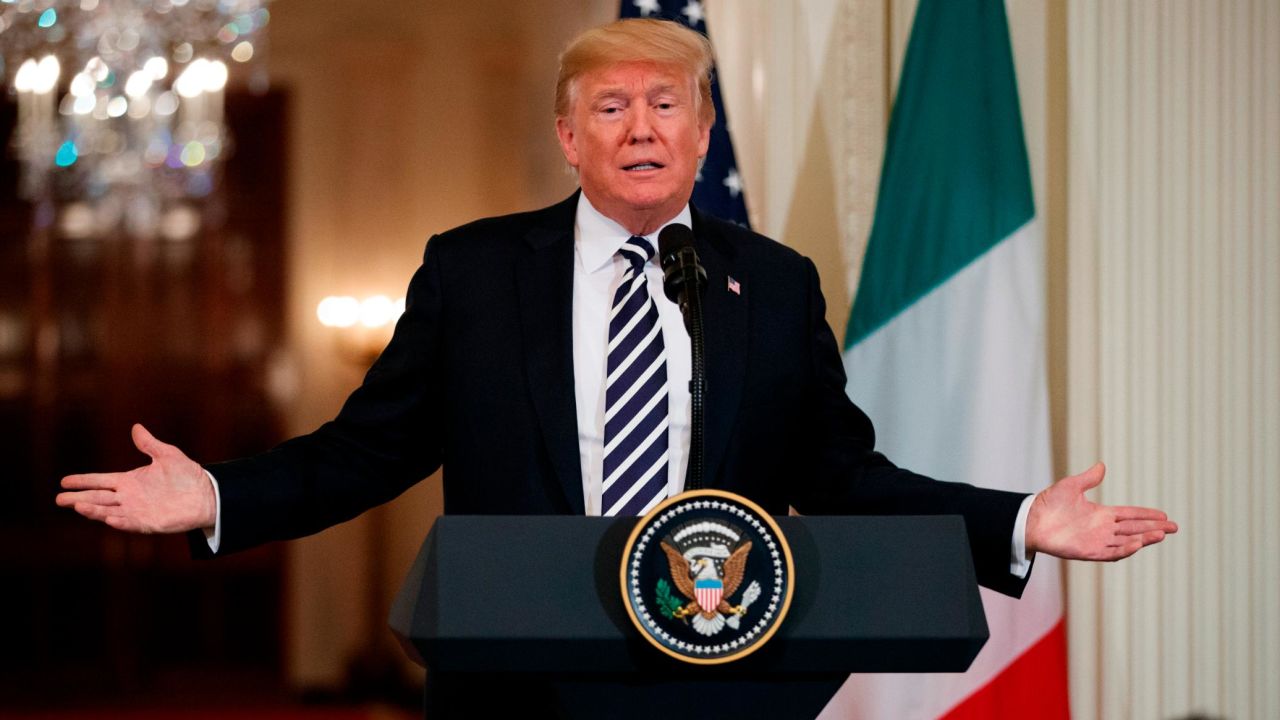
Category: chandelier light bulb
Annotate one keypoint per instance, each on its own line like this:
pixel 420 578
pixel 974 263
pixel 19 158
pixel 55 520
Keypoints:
pixel 242 52
pixel 82 85
pixel 157 67
pixel 166 104
pixel 128 40
pixel 97 69
pixel 138 85
pixel 47 72
pixel 192 80
pixel 140 107
pixel 84 104
pixel 215 76
pixel 26 77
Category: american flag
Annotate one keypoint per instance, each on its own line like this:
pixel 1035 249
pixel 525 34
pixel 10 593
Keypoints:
pixel 718 190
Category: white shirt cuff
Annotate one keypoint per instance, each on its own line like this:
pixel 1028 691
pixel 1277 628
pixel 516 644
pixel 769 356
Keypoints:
pixel 1019 561
pixel 214 536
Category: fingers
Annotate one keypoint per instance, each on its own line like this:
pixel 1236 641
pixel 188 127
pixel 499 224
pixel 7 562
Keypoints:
pixel 97 512
pixel 1139 527
pixel 1120 552
pixel 147 443
pixel 1124 549
pixel 91 497
pixel 91 481
pixel 1153 537
pixel 102 506
pixel 1139 513
pixel 112 516
pixel 1091 478
pixel 1149 537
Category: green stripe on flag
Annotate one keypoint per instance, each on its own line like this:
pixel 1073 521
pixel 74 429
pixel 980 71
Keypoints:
pixel 956 180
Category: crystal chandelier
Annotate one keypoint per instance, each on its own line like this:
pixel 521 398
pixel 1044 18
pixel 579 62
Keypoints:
pixel 120 102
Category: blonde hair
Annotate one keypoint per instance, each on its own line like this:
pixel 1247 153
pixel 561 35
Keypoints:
pixel 638 40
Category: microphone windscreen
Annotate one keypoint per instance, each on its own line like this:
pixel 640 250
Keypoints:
pixel 672 240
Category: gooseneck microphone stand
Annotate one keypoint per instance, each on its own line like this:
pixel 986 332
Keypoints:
pixel 683 282
pixel 692 312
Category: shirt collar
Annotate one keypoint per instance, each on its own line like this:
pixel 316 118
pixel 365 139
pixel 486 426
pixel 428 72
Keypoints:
pixel 598 237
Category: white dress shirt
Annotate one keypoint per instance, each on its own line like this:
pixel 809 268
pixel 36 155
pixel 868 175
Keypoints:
pixel 597 272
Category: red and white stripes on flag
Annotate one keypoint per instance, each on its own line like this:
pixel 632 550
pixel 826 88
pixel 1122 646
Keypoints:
pixel 708 595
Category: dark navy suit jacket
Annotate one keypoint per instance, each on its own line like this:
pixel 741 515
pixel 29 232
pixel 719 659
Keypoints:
pixel 479 379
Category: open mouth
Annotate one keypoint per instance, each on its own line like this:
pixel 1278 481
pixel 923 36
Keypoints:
pixel 643 166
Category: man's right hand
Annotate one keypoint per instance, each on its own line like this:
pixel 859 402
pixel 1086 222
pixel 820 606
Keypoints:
pixel 172 494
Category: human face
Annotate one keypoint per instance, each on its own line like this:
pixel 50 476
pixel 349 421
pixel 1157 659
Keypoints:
pixel 634 136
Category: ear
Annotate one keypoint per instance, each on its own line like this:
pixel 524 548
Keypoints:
pixel 568 145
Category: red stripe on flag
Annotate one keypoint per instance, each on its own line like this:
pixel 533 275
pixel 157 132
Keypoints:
pixel 1032 686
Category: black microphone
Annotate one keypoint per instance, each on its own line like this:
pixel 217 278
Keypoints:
pixel 680 268
pixel 683 282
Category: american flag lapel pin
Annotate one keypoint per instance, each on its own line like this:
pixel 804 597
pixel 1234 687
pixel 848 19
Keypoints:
pixel 734 286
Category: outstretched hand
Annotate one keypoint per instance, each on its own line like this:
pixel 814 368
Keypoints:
pixel 170 495
pixel 1064 523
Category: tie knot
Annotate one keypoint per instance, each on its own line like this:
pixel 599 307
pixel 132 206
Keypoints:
pixel 637 251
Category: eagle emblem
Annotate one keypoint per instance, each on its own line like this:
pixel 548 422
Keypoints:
pixel 708 560
pixel 706 577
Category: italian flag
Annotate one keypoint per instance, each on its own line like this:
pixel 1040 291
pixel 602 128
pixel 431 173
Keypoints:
pixel 945 347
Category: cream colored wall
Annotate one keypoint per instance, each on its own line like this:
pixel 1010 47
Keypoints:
pixel 1174 336
pixel 807 96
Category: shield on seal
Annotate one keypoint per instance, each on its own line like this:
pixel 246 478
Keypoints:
pixel 706 577
pixel 708 593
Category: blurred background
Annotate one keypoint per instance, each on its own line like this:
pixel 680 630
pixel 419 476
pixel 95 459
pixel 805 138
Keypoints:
pixel 181 287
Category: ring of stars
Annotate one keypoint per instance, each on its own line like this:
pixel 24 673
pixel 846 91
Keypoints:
pixel 774 599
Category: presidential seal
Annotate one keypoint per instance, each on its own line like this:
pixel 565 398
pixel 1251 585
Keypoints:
pixel 707 577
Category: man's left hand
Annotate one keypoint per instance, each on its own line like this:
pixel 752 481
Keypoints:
pixel 1064 523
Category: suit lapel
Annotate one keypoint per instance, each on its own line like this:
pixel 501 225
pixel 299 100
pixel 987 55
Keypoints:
pixel 725 329
pixel 544 277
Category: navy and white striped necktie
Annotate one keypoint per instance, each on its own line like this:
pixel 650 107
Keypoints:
pixel 635 415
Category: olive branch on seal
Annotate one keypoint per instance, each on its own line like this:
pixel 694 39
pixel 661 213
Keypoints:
pixel 668 604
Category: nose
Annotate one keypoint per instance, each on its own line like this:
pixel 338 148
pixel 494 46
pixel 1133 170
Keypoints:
pixel 641 130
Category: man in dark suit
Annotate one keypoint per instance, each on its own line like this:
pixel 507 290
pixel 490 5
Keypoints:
pixel 504 367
